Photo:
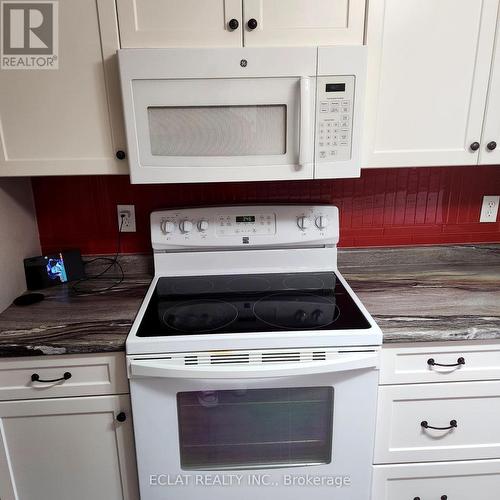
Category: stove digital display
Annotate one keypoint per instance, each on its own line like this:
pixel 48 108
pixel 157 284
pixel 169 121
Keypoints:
pixel 245 218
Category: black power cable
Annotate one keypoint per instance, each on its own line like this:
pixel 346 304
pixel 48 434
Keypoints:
pixel 112 261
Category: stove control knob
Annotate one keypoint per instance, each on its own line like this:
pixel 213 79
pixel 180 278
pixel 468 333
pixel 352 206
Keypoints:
pixel 303 222
pixel 321 222
pixel 202 225
pixel 167 226
pixel 186 226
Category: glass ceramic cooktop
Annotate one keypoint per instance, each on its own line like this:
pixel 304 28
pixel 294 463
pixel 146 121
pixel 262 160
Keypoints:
pixel 250 303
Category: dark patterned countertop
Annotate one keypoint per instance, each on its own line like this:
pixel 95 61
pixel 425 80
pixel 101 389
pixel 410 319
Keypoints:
pixel 415 295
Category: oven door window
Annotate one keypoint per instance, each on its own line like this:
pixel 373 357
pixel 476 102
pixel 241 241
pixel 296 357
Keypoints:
pixel 255 428
pixel 217 130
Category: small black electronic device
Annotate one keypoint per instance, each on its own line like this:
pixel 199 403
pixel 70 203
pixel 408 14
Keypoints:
pixel 53 269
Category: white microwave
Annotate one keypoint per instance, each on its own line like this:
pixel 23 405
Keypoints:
pixel 243 114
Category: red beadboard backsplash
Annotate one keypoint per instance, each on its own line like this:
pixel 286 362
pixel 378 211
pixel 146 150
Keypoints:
pixel 385 207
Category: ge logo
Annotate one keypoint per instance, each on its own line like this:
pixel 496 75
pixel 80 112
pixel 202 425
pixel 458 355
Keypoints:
pixel 243 63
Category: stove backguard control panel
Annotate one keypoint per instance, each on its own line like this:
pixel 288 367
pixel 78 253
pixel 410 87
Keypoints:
pixel 245 226
pixel 335 103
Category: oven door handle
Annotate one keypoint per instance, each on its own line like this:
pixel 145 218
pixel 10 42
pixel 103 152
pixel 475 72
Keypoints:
pixel 305 122
pixel 167 369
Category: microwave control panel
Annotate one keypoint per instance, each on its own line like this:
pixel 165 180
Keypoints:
pixel 334 104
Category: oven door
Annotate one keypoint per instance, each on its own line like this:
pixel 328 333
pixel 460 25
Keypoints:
pixel 225 431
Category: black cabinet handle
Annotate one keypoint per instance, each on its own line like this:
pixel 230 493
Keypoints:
pixel 252 24
pixel 460 361
pixel 425 425
pixel 443 497
pixel 36 378
pixel 233 24
pixel 121 417
pixel 474 146
pixel 491 145
pixel 121 155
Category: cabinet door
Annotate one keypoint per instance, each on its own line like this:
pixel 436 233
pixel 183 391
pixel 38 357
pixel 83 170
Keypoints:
pixel 302 22
pixel 490 153
pixel 179 23
pixel 479 479
pixel 64 121
pixel 428 71
pixel 68 448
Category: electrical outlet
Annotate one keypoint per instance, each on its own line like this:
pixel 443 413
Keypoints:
pixel 489 209
pixel 128 213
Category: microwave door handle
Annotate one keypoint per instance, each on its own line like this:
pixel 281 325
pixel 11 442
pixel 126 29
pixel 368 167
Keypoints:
pixel 166 369
pixel 305 121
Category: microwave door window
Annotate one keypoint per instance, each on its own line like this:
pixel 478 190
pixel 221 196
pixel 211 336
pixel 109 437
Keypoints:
pixel 255 428
pixel 222 131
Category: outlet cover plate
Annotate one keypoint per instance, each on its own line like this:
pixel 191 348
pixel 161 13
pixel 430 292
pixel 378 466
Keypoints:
pixel 129 220
pixel 489 209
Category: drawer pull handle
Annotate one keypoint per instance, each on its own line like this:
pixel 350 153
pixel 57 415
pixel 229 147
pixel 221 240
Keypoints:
pixel 425 425
pixel 36 378
pixel 460 361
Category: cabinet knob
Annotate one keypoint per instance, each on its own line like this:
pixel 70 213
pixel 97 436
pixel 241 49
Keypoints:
pixel 474 146
pixel 121 155
pixel 444 497
pixel 121 417
pixel 233 24
pixel 252 24
pixel 491 145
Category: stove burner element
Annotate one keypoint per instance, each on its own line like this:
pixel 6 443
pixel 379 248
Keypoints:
pixel 296 311
pixel 200 316
pixel 192 285
pixel 304 282
pixel 249 284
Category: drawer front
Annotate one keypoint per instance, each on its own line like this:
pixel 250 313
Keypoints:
pixel 410 364
pixel 479 480
pixel 400 436
pixel 91 374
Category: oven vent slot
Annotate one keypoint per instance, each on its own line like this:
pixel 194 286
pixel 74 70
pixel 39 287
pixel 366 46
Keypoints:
pixel 190 360
pixel 221 359
pixel 319 356
pixel 280 357
pixel 254 357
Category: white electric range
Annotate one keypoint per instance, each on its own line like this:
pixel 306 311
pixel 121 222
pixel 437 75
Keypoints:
pixel 253 366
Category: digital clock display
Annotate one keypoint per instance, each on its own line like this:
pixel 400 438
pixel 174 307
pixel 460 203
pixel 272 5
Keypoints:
pixel 245 218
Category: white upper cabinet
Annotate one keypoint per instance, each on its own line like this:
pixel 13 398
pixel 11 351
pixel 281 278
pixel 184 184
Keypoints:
pixel 302 22
pixel 490 141
pixel 233 23
pixel 428 71
pixel 66 120
pixel 180 23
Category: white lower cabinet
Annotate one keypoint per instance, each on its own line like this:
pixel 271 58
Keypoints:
pixel 68 448
pixel 66 438
pixel 437 434
pixel 477 480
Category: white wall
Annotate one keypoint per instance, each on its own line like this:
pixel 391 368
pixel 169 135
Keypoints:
pixel 18 236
